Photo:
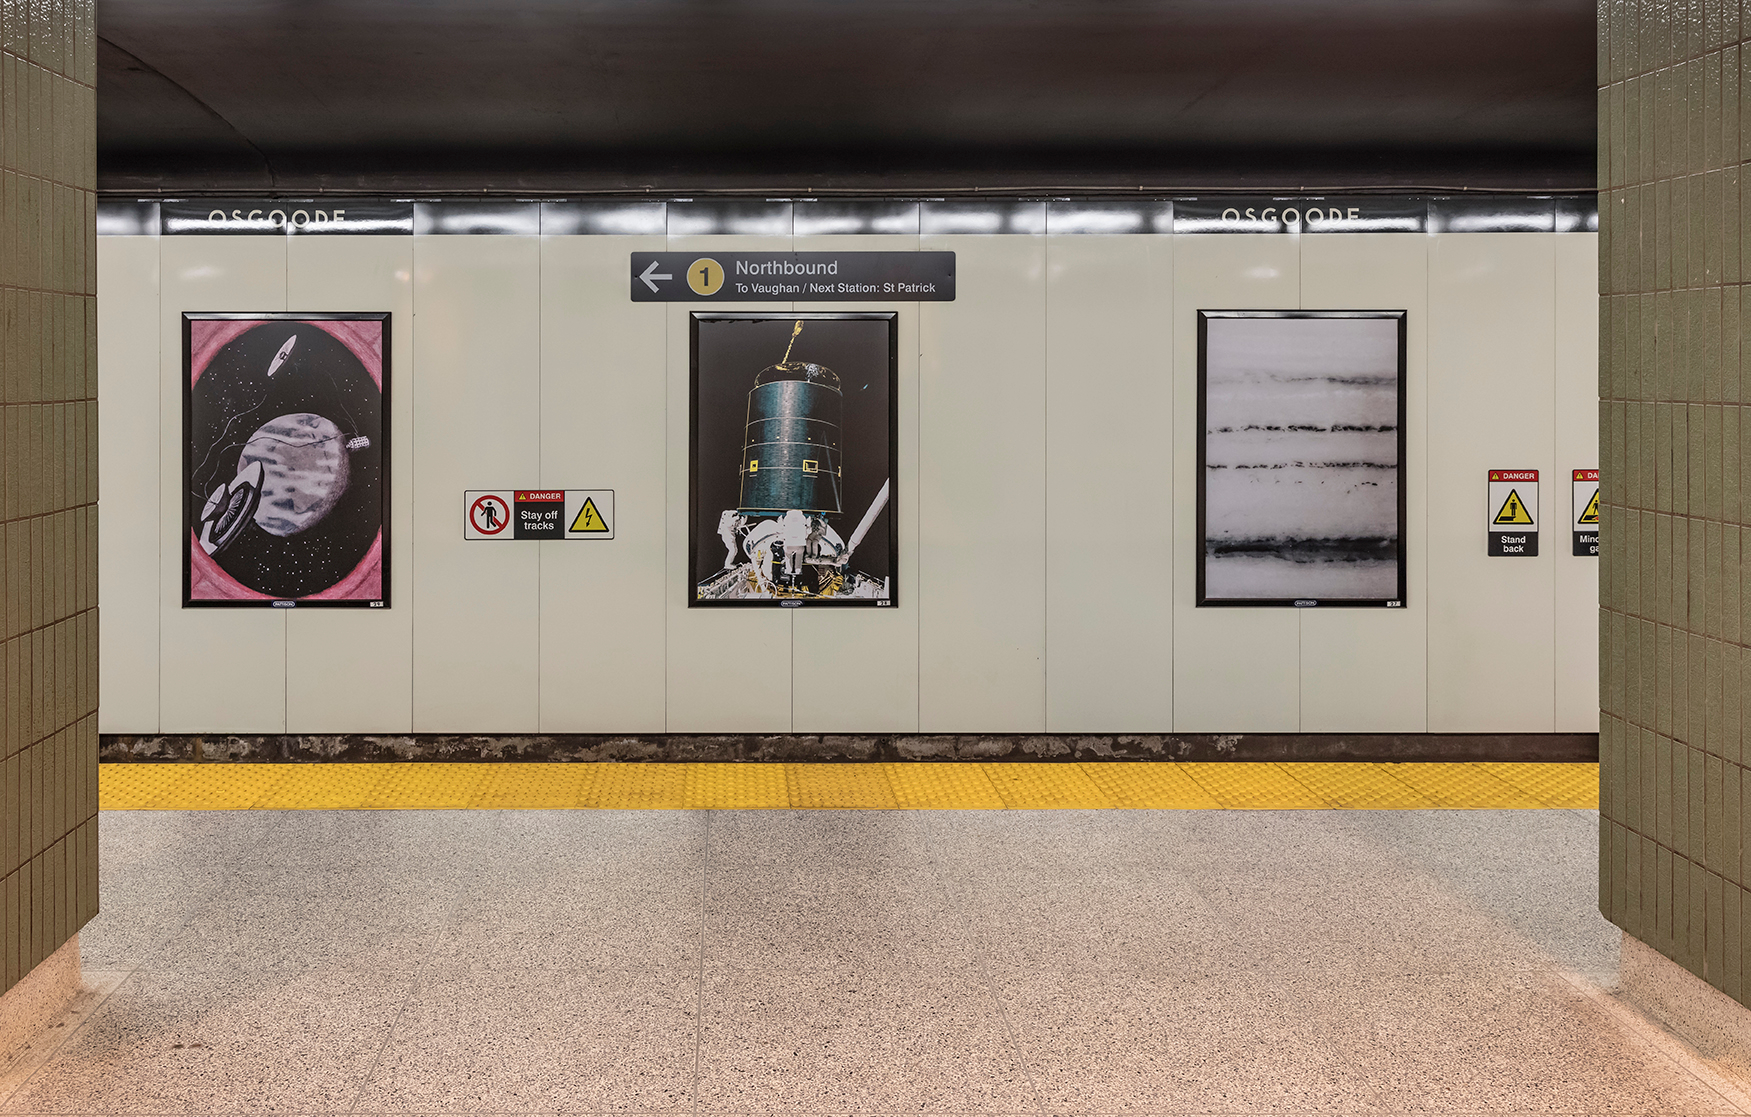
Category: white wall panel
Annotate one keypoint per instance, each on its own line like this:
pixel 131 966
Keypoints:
pixel 477 425
pixel 351 670
pixel 982 499
pixel 128 478
pixel 1047 424
pixel 1236 670
pixel 729 669
pixel 1492 399
pixel 1577 447
pixel 222 670
pixel 1109 484
pixel 1366 670
pixel 603 390
pixel 856 670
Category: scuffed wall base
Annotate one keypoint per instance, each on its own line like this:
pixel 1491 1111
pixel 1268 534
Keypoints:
pixel 43 994
pixel 793 747
pixel 1715 1024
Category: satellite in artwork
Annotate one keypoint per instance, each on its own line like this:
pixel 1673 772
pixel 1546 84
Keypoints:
pixel 779 542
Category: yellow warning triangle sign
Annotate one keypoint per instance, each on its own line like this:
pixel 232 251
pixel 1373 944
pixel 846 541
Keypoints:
pixel 1591 515
pixel 1513 511
pixel 588 519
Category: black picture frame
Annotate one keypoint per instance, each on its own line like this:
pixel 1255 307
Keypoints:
pixel 696 539
pixel 1203 598
pixel 382 464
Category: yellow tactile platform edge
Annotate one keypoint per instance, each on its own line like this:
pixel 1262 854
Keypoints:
pixel 909 786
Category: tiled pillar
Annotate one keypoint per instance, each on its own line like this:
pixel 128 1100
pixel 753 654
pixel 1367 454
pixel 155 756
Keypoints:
pixel 1674 385
pixel 48 481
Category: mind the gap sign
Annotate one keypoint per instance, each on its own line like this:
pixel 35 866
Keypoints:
pixel 1513 513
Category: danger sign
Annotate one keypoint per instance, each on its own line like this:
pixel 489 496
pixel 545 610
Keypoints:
pixel 1584 511
pixel 1513 513
pixel 538 514
pixel 589 513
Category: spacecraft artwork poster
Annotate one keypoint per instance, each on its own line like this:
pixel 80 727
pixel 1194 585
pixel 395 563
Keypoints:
pixel 794 434
pixel 1301 452
pixel 286 460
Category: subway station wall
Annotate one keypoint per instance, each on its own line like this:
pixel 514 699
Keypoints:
pixel 1047 475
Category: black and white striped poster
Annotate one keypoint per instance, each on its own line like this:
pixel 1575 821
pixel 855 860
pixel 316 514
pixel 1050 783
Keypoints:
pixel 1301 449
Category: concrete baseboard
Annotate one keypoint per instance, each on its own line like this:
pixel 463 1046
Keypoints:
pixel 806 747
pixel 36 1001
pixel 1715 1024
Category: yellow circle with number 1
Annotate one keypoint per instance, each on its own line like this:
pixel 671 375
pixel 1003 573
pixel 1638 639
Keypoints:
pixel 705 276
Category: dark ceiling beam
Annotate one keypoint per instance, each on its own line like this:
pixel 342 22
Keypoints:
pixel 787 96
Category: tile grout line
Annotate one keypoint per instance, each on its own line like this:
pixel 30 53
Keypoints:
pixel 540 459
pixel 1653 1036
pixel 285 616
pixel 699 1011
pixel 959 903
pixel 38 1062
pixel 413 991
pixel 158 521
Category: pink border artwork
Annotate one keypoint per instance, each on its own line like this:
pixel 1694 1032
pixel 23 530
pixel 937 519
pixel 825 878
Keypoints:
pixel 206 336
pixel 207 580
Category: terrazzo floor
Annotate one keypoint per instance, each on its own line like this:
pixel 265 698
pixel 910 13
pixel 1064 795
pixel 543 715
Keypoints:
pixel 852 962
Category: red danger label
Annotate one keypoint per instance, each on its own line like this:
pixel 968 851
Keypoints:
pixel 541 494
pixel 1495 475
pixel 1586 475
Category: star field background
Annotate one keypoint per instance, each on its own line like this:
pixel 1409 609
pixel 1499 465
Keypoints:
pixel 233 397
pixel 731 352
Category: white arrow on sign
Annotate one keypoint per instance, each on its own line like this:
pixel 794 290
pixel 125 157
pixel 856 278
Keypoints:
pixel 651 273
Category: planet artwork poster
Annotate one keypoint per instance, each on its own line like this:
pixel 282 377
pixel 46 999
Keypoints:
pixel 794 435
pixel 286 460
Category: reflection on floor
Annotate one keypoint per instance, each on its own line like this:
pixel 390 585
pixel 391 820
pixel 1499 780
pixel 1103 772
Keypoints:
pixel 872 962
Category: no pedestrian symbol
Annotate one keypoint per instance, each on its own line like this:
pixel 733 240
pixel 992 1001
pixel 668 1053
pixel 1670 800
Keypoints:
pixel 489 514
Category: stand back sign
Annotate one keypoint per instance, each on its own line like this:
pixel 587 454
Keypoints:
pixel 1513 513
pixel 1585 511
pixel 494 514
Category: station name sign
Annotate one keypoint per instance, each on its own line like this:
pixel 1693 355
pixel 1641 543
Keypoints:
pixel 287 216
pixel 664 277
pixel 1300 215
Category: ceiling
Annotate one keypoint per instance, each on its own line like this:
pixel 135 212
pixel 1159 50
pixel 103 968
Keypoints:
pixel 787 96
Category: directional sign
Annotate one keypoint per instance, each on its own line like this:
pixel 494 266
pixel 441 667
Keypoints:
pixel 1584 511
pixel 745 277
pixel 650 275
pixel 500 514
pixel 1513 513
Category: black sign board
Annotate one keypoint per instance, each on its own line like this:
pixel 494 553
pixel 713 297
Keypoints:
pixel 1368 214
pixel 742 277
pixel 540 514
pixel 283 216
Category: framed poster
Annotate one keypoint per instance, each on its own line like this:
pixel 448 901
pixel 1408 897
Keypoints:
pixel 285 442
pixel 1301 450
pixel 793 442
